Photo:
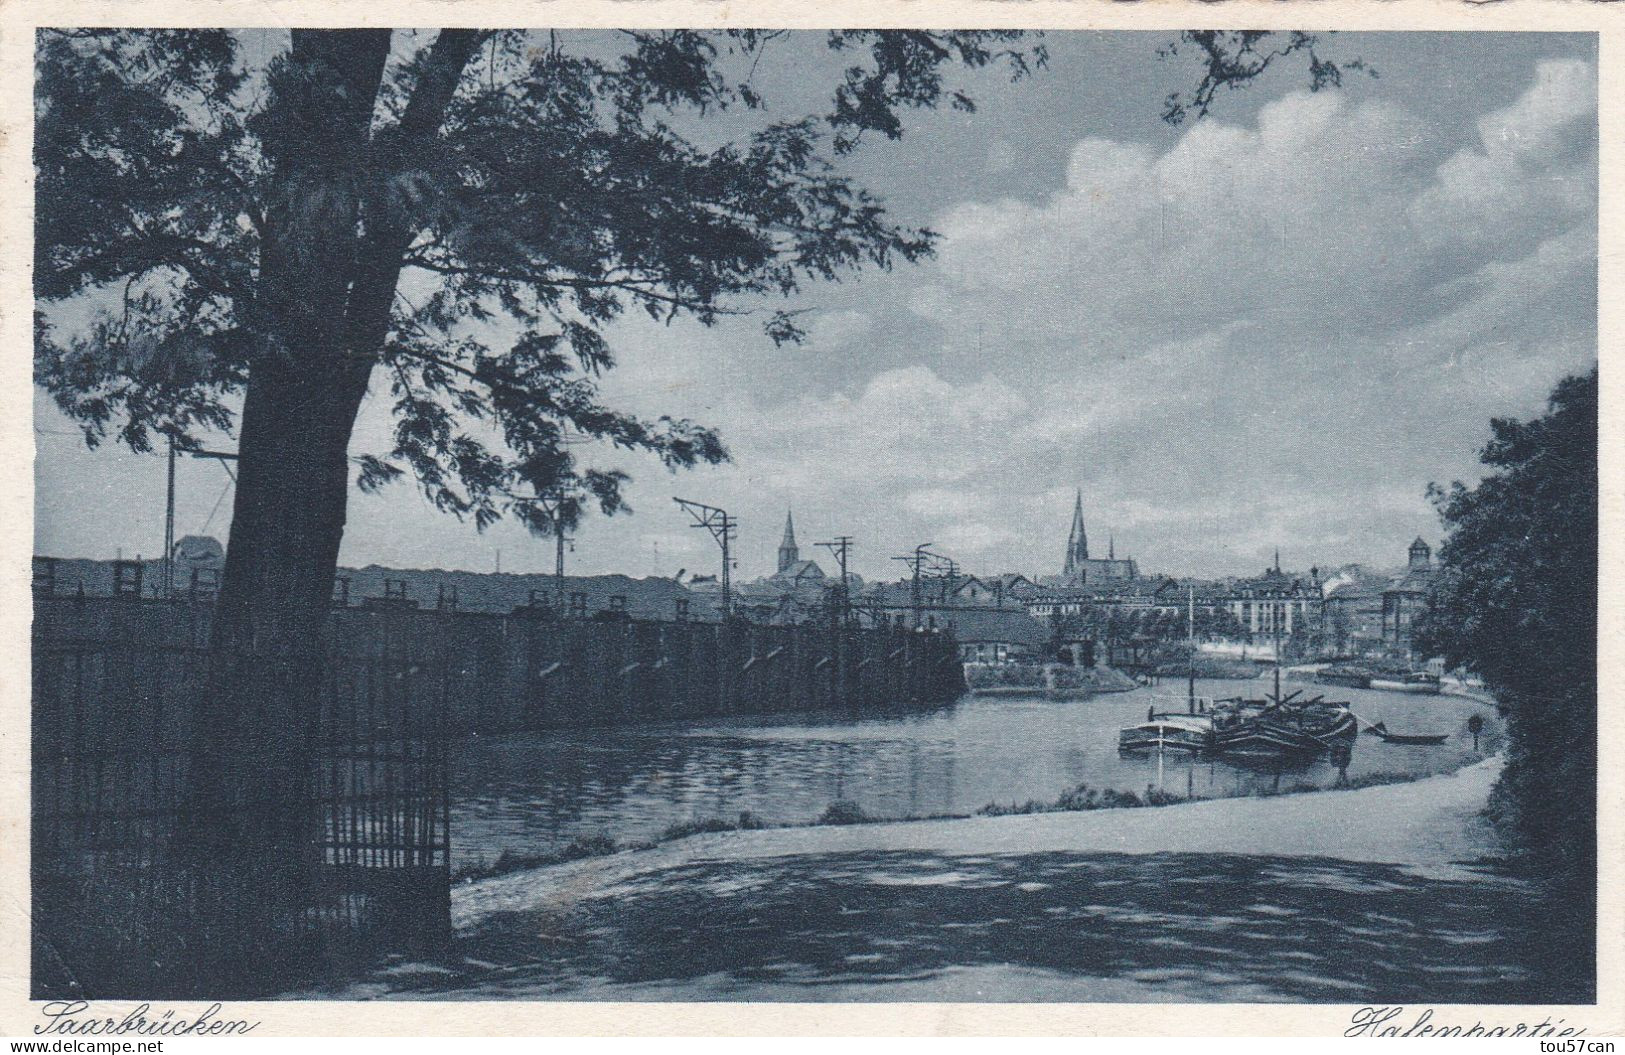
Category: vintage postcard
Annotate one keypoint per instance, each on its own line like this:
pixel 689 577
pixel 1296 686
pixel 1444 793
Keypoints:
pixel 890 518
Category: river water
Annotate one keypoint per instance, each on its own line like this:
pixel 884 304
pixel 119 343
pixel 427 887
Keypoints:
pixel 534 793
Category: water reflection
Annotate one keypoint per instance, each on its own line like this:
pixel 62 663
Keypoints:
pixel 535 792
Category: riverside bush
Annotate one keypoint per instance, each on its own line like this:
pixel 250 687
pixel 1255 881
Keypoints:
pixel 844 811
pixel 747 822
pixel 1083 798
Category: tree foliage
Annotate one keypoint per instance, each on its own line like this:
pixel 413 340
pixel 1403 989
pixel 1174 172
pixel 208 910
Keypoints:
pixel 1517 603
pixel 1234 59
pixel 506 177
pixel 1118 623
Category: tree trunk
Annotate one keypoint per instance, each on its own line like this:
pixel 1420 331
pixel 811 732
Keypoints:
pixel 257 832
pixel 329 265
pixel 255 767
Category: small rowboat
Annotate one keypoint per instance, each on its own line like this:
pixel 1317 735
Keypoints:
pixel 1421 739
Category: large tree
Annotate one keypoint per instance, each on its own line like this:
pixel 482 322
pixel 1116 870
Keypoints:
pixel 1517 603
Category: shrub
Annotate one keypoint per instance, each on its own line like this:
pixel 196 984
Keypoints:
pixel 596 845
pixel 747 821
pixel 996 809
pixel 844 811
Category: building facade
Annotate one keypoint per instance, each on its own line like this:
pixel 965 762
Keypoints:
pixel 1404 598
pixel 1275 601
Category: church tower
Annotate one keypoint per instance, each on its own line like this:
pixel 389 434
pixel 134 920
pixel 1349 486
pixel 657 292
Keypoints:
pixel 788 553
pixel 1077 543
pixel 1421 555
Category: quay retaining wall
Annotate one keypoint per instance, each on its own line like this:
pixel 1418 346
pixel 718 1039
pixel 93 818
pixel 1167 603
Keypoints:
pixel 521 671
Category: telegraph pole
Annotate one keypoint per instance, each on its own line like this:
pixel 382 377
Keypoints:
pixel 723 528
pixel 558 567
pixel 841 546
pixel 941 567
pixel 552 504
pixel 225 458
pixel 914 561
pixel 169 527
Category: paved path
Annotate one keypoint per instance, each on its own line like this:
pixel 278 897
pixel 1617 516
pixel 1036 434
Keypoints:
pixel 1427 825
pixel 1356 896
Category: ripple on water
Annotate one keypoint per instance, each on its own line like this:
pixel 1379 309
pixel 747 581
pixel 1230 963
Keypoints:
pixel 964 879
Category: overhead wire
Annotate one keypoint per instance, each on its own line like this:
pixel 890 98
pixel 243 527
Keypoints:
pixel 204 530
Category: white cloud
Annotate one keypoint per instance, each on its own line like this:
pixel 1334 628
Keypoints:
pixel 837 329
pixel 1530 170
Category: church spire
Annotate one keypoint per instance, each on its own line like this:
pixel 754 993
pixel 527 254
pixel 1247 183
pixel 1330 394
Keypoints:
pixel 1077 543
pixel 788 552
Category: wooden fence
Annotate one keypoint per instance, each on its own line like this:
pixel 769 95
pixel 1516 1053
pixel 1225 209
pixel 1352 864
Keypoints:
pixel 121 910
pixel 123 785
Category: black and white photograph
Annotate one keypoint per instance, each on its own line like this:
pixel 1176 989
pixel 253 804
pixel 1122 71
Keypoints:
pixel 814 516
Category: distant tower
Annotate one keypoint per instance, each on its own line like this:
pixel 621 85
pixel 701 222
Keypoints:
pixel 1421 555
pixel 1077 543
pixel 1277 560
pixel 788 553
pixel 1111 546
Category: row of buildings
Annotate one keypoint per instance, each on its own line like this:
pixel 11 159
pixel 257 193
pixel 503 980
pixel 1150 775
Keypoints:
pixel 1350 611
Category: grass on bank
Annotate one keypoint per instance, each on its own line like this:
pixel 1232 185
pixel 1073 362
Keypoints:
pixel 846 812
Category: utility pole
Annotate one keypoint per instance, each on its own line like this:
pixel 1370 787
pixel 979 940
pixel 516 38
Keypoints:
pixel 558 567
pixel 723 528
pixel 1190 643
pixel 169 527
pixel 841 546
pixel 225 458
pixel 552 503
pixel 914 561
pixel 939 566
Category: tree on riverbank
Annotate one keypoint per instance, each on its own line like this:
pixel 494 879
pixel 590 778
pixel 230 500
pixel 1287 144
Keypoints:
pixel 1516 602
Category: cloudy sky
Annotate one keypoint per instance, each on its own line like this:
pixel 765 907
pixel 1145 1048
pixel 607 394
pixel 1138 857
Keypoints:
pixel 1273 327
